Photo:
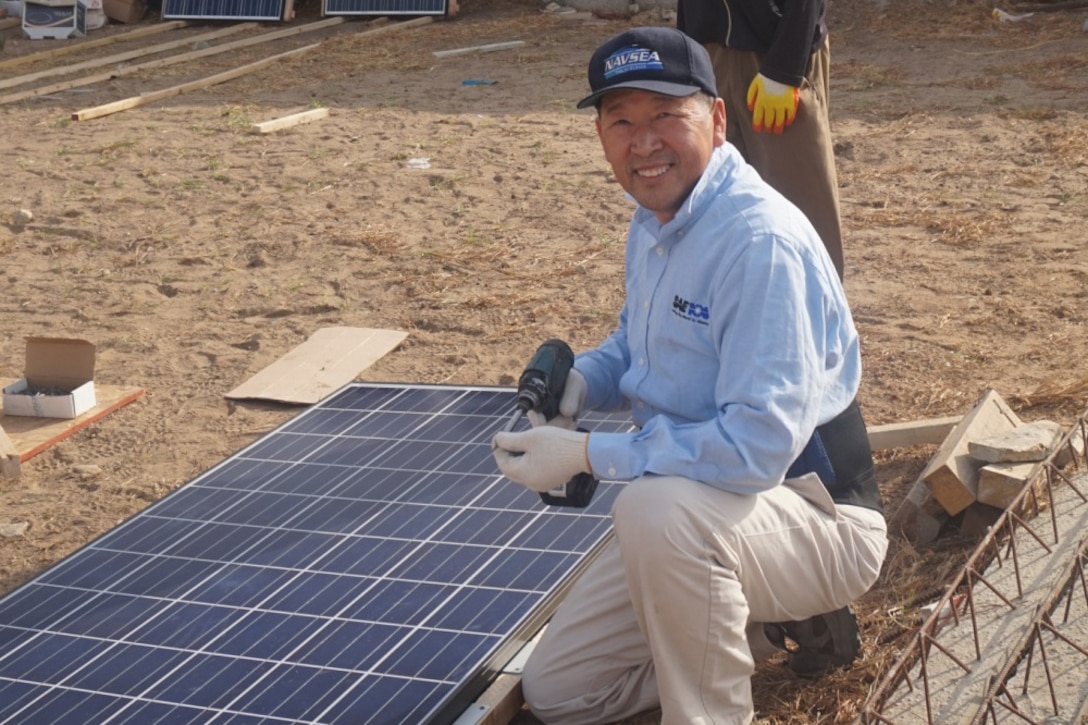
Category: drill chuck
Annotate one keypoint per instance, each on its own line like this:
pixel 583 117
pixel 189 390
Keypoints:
pixel 540 386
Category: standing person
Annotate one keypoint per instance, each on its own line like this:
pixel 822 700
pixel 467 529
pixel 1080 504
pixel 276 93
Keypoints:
pixel 772 63
pixel 751 494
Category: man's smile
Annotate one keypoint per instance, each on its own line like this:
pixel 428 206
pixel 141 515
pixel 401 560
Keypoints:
pixel 653 171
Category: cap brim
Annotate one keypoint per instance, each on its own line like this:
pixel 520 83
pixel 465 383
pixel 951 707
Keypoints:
pixel 662 87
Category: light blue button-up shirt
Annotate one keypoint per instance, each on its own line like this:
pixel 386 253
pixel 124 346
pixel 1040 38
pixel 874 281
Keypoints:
pixel 735 340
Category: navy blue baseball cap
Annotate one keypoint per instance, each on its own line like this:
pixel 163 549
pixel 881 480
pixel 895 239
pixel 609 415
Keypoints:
pixel 658 59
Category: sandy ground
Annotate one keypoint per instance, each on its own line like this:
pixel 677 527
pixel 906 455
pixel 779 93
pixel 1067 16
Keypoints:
pixel 194 252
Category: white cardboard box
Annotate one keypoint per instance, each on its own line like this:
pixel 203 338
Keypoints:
pixel 53 19
pixel 57 382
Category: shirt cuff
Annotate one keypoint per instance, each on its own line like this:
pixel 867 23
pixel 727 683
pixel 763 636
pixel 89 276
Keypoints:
pixel 610 456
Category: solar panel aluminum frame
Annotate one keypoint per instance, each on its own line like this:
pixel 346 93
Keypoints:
pixel 384 7
pixel 494 407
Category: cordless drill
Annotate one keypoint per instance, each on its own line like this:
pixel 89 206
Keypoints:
pixel 540 388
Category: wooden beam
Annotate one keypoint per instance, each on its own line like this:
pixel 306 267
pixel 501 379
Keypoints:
pixel 288 121
pixel 479 49
pixel 503 700
pixel 915 433
pixel 96 43
pixel 128 55
pixel 9 457
pixel 10 23
pixel 151 97
pixel 1050 7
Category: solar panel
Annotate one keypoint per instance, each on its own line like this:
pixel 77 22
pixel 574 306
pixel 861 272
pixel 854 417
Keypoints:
pixel 384 7
pixel 365 562
pixel 222 9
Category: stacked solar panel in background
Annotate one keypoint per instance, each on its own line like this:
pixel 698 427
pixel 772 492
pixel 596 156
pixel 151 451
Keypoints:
pixel 364 563
pixel 384 7
pixel 222 10
pixel 274 10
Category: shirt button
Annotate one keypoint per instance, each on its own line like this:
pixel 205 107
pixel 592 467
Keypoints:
pixel 641 361
pixel 660 251
pixel 645 304
pixel 612 471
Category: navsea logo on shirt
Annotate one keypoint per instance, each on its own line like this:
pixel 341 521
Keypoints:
pixel 690 311
pixel 631 59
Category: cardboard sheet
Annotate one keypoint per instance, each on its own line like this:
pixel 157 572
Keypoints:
pixel 31 436
pixel 330 359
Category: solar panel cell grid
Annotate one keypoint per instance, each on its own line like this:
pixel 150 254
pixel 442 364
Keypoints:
pixel 385 7
pixel 365 562
pixel 222 9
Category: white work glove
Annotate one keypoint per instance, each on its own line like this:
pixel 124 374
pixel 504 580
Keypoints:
pixel 541 458
pixel 571 405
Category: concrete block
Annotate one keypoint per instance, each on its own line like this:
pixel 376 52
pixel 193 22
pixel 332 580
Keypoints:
pixel 1000 483
pixel 1029 442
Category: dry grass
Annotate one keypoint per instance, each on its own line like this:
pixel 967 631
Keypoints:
pixel 1056 394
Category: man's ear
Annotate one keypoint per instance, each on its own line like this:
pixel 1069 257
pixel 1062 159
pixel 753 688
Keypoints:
pixel 718 113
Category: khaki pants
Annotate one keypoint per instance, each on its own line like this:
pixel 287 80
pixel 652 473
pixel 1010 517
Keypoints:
pixel 800 163
pixel 661 617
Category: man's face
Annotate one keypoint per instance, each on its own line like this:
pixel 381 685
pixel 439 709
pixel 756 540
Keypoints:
pixel 659 145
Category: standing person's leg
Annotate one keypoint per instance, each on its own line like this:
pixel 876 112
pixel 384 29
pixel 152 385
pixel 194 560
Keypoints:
pixel 799 163
pixel 702 562
pixel 592 664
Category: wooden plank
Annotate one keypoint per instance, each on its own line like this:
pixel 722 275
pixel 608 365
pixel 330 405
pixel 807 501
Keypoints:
pixel 500 703
pixel 330 358
pixel 31 436
pixel 127 55
pixel 952 474
pixel 162 62
pixel 95 43
pixel 290 120
pixel 153 96
pixel 173 60
pixel 503 700
pixel 7 23
pixel 9 457
pixel 915 433
pixel 479 49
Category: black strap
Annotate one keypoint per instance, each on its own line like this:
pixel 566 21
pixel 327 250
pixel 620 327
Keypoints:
pixel 839 454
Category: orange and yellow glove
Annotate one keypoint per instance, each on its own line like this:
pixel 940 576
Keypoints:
pixel 773 104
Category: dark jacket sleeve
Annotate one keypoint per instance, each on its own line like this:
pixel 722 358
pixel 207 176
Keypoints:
pixel 785 32
pixel 799 31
